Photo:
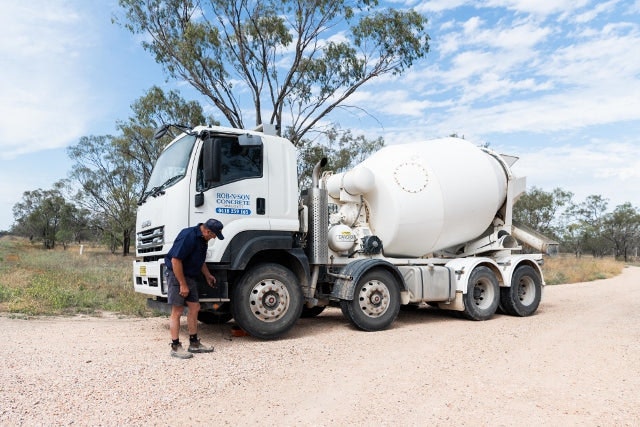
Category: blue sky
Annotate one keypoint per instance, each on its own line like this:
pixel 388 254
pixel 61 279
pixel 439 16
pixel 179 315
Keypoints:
pixel 555 82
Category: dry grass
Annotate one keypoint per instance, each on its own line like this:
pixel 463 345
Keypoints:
pixel 35 281
pixel 569 269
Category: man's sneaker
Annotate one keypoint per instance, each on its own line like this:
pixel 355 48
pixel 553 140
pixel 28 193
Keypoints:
pixel 178 351
pixel 198 347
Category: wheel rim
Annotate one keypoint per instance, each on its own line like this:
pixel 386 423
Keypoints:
pixel 374 298
pixel 269 300
pixel 483 294
pixel 526 291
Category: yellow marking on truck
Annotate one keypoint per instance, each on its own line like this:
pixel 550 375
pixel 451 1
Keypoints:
pixel 143 270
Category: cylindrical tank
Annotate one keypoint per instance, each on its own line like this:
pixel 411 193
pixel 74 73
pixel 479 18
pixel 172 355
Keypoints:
pixel 432 195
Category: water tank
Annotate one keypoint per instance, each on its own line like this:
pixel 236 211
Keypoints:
pixel 432 195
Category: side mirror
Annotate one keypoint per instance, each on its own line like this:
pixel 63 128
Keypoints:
pixel 211 160
pixel 161 131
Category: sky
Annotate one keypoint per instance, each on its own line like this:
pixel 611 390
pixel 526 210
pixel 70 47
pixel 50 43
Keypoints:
pixel 554 82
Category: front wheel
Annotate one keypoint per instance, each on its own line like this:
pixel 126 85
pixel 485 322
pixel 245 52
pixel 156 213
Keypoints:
pixel 483 294
pixel 376 301
pixel 267 301
pixel 523 297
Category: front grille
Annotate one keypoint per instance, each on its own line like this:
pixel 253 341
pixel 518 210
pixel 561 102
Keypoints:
pixel 150 240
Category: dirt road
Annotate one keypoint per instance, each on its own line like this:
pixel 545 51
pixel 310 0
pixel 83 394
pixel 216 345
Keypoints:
pixel 576 362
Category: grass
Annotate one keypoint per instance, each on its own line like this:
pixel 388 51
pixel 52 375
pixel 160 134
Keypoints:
pixel 569 269
pixel 34 281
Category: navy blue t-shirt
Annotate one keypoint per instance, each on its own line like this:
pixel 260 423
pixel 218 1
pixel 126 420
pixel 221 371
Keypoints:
pixel 191 248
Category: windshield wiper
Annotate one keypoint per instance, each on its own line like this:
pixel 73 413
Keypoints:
pixel 159 190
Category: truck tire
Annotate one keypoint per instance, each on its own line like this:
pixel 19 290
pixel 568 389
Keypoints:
pixel 483 294
pixel 376 301
pixel 267 301
pixel 522 298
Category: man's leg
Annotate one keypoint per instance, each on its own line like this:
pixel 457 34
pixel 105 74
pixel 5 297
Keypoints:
pixel 174 329
pixel 174 321
pixel 192 317
pixel 195 346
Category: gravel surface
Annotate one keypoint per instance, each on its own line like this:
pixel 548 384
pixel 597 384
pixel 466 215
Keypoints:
pixel 576 362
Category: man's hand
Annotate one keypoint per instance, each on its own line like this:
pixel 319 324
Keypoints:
pixel 211 280
pixel 184 290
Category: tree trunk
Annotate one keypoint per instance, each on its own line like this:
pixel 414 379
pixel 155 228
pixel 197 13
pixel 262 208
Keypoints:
pixel 126 242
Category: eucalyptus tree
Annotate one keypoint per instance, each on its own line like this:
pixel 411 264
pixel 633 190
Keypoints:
pixel 46 216
pixel 301 59
pixel 542 210
pixel 109 186
pixel 584 233
pixel 622 228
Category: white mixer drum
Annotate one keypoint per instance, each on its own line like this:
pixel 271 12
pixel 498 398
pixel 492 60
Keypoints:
pixel 432 195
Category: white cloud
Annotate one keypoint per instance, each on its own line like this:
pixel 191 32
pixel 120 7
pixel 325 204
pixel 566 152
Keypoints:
pixel 591 14
pixel 437 5
pixel 539 7
pixel 603 167
pixel 43 89
pixel 521 73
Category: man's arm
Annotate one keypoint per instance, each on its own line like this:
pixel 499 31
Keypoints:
pixel 211 280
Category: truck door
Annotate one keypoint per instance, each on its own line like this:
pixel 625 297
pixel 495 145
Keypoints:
pixel 238 193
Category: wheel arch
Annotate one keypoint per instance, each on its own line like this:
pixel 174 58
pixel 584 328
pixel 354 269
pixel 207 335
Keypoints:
pixel 252 248
pixel 344 287
pixel 519 261
pixel 462 268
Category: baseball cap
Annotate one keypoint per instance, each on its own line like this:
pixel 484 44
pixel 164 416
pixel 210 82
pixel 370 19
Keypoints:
pixel 216 227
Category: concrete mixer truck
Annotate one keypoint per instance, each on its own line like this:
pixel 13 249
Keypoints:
pixel 417 223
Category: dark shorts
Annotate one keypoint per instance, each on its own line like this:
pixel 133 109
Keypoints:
pixel 173 289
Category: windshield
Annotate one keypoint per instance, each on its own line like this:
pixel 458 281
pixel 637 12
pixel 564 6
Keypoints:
pixel 171 165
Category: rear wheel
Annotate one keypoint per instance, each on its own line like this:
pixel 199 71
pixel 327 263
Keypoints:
pixel 523 297
pixel 267 301
pixel 483 294
pixel 376 301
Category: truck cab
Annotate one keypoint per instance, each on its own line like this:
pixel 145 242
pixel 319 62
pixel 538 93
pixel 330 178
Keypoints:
pixel 245 179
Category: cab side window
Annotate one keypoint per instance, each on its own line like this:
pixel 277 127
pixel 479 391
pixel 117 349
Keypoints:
pixel 237 163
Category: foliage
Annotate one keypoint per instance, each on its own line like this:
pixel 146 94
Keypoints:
pixel 584 227
pixel 46 216
pixel 109 186
pixel 341 148
pixel 541 210
pixel 622 228
pixel 278 51
pixel 135 141
pixel 36 282
pixel 584 233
